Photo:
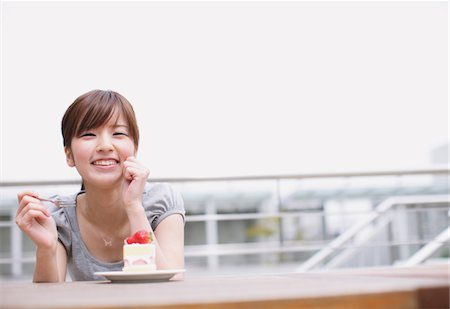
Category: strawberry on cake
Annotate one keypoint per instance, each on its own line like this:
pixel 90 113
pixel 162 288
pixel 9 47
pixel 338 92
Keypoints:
pixel 139 252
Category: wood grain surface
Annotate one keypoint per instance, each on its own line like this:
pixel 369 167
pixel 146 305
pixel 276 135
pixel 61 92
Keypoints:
pixel 289 290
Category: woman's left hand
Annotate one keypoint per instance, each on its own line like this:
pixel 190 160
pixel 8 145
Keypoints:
pixel 135 177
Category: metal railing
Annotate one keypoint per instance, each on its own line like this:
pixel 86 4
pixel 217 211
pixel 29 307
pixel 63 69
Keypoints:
pixel 381 210
pixel 212 249
pixel 426 171
pixel 428 250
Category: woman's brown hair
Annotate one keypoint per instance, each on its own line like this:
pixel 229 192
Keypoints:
pixel 92 110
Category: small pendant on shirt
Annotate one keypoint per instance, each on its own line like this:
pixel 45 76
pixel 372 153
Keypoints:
pixel 108 243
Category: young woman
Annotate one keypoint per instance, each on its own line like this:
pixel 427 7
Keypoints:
pixel 101 139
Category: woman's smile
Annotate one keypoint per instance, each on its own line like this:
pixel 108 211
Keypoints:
pixel 106 163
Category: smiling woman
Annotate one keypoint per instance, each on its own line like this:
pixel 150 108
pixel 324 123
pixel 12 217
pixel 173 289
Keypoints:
pixel 94 109
pixel 101 140
pixel 107 121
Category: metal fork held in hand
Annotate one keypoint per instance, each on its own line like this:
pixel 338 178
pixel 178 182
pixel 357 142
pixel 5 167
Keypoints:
pixel 57 202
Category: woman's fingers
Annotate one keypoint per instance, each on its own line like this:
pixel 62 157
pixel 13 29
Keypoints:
pixel 33 207
pixel 34 219
pixel 135 177
pixel 134 173
pixel 133 169
pixel 25 194
pixel 25 200
pixel 33 214
pixel 29 212
pixel 20 195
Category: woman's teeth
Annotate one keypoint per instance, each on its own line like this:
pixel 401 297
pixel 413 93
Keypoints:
pixel 105 162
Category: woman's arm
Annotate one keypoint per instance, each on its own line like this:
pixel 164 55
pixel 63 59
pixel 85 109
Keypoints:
pixel 36 222
pixel 168 237
pixel 170 242
pixel 51 265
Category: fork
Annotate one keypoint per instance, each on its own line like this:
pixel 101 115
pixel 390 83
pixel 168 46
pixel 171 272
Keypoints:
pixel 58 202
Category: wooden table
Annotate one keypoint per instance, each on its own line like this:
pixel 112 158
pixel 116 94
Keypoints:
pixel 311 290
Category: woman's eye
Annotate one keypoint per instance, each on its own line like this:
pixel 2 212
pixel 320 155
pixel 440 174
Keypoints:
pixel 120 133
pixel 87 134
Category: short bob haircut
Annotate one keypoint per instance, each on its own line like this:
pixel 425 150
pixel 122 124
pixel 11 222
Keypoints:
pixel 94 109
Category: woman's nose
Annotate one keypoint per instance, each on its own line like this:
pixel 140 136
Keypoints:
pixel 104 144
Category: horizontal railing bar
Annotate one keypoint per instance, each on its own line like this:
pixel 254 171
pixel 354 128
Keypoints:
pixel 242 178
pixel 250 216
pixel 246 249
pixel 20 260
pixel 257 248
pixel 306 243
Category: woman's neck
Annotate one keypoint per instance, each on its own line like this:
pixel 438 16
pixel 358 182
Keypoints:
pixel 103 206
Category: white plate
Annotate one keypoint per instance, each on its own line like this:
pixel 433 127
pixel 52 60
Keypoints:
pixel 148 276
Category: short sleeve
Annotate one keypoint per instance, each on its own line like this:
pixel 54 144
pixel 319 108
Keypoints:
pixel 161 200
pixel 62 227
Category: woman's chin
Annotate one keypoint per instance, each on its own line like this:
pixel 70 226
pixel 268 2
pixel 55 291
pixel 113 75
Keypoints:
pixel 105 183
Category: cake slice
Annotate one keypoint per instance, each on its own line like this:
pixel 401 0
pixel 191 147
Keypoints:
pixel 139 253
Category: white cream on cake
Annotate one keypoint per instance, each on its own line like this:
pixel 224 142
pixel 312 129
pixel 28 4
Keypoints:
pixel 139 257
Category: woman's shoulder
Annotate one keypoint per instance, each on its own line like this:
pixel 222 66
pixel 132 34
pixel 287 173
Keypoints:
pixel 161 200
pixel 63 215
pixel 158 188
pixel 162 194
pixel 64 218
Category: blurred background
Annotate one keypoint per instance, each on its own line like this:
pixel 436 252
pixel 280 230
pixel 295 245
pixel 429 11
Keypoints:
pixel 302 135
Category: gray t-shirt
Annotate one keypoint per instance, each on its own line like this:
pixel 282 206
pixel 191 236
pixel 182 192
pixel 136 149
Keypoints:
pixel 160 200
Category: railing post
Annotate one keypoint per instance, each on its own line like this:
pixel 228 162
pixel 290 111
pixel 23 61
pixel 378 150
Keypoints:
pixel 16 247
pixel 280 219
pixel 212 232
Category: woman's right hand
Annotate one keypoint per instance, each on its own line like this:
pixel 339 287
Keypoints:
pixel 35 221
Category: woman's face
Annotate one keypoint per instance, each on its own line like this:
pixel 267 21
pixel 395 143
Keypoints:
pixel 98 154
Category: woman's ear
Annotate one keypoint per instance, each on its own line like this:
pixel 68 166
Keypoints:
pixel 69 157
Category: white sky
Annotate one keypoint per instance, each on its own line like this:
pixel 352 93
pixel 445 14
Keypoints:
pixel 231 88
